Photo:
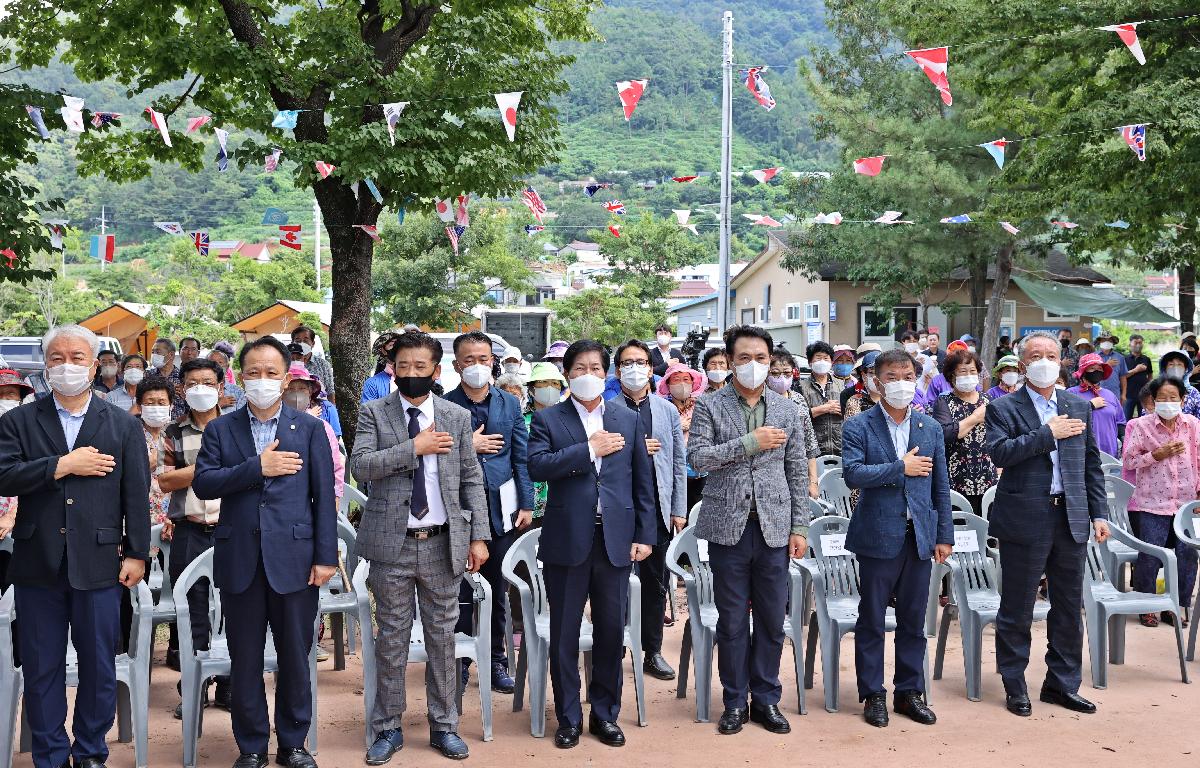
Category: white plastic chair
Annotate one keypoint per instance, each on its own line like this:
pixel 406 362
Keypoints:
pixel 939 576
pixel 832 488
pixel 827 462
pixel 985 504
pixel 701 634
pixel 350 495
pixel 1187 530
pixel 1108 458
pixel 533 662
pixel 337 601
pixel 163 594
pixel 1117 555
pixel 12 681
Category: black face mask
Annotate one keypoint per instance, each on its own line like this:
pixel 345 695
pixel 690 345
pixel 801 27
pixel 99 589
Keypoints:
pixel 1065 343
pixel 1093 377
pixel 414 386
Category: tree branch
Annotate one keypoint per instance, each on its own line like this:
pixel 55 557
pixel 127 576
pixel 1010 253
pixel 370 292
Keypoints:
pixel 183 97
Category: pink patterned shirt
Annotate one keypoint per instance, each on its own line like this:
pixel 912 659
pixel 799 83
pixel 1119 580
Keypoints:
pixel 1162 486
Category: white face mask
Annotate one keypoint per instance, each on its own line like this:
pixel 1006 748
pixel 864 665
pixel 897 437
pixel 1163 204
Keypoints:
pixel 751 375
pixel 156 416
pixel 1176 371
pixel 305 349
pixel 718 377
pixel 512 368
pixel 587 387
pixel 1168 411
pixel 8 405
pixel 664 339
pixel 547 395
pixel 1010 378
pixel 899 394
pixel 966 383
pixel 1043 373
pixel 971 348
pixel 69 379
pixel 912 348
pixel 681 392
pixel 870 381
pixel 108 371
pixel 476 376
pixel 157 360
pixel 635 377
pixel 263 393
pixel 201 398
pixel 1106 346
pixel 134 376
pixel 822 367
pixel 1060 386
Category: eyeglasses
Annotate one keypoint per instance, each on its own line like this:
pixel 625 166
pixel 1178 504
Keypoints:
pixel 630 364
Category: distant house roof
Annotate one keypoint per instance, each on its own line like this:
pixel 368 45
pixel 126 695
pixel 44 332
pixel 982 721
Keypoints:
pixel 579 245
pixel 690 289
pixel 271 315
pixel 694 302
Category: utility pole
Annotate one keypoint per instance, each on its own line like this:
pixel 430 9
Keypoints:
pixel 723 308
pixel 317 244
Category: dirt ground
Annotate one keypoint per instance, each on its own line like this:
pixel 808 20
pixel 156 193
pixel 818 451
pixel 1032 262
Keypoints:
pixel 1146 715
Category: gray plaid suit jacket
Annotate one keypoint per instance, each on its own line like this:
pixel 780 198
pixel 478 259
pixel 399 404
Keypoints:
pixel 384 457
pixel 777 480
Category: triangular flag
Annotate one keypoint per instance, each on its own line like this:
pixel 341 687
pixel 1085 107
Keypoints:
pixel 101 119
pixel 615 207
pixel 201 242
pixel 57 228
pixel 159 122
pixel 1063 224
pixel 374 190
pixel 391 116
pixel 370 229
pixel 444 209
pixel 274 217
pixel 508 103
pixel 961 218
pixel 11 256
pixel 765 174
pixel 683 217
pixel 1135 137
pixel 289 236
pixel 324 168
pixel 533 229
pixel 1118 224
pixel 455 232
pixel 462 217
pixel 170 227
pixel 104 248
pixel 996 150
pixel 935 63
pixel 72 113
pixel 354 189
pixel 1009 228
pixel 631 92
pixel 271 162
pixel 400 216
pixel 615 229
pixel 834 218
pixel 195 123
pixel 757 86
pixel 684 179
pixel 223 150
pixel 891 217
pixel 869 166
pixel 1128 35
pixel 285 118
pixel 762 220
pixel 35 115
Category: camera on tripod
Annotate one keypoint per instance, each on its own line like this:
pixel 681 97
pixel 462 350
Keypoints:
pixel 693 347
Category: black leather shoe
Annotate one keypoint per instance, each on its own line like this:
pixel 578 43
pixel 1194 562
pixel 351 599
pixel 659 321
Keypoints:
pixel 173 660
pixel 387 743
pixel 875 710
pixel 502 681
pixel 912 704
pixel 251 760
pixel 769 717
pixel 608 732
pixel 1018 704
pixel 449 744
pixel 223 698
pixel 1071 701
pixel 657 667
pixel 732 720
pixel 295 757
pixel 89 762
pixel 566 736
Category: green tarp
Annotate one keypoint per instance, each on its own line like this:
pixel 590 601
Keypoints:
pixel 1100 303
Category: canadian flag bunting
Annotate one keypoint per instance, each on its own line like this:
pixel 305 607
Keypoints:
pixel 682 217
pixel 391 116
pixel 869 166
pixel 196 123
pixel 1128 35
pixel 370 230
pixel 935 63
pixel 72 113
pixel 631 92
pixel 508 103
pixel 834 218
pixel 289 236
pixel 445 210
pixel 324 169
pixel 996 150
pixel 766 174
pixel 159 122
pixel 615 229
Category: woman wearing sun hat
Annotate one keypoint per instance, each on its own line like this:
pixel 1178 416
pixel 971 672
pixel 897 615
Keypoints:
pixel 1107 412
pixel 1006 374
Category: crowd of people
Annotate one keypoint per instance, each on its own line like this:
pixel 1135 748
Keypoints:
pixel 610 454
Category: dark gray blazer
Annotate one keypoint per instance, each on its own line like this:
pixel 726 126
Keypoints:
pixel 1021 445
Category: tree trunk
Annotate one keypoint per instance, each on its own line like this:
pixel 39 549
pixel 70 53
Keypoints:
pixel 979 269
pixel 1187 297
pixel 995 307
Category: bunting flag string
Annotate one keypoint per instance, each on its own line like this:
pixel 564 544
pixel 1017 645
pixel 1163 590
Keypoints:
pixel 834 218
pixel 615 207
pixel 533 201
pixel 630 93
pixel 285 119
pixel 683 218
pixel 615 229
pixel 104 248
pixel 444 210
pixel 1009 228
pixel 374 190
pixel 222 150
pixel 961 218
pixel 72 113
pixel 35 115
pixel 271 162
pixel 591 189
pixel 892 217
pixel 170 227
pixel 462 216
pixel 101 119
pixel 196 123
pixel 58 228
pixel 869 166
pixel 761 220
pixel 370 230
pixel 996 150
pixel 274 217
pixel 533 229
pixel 1135 137
pixel 454 232
pixel 391 116
pixel 323 168
pixel 684 179
pixel 763 175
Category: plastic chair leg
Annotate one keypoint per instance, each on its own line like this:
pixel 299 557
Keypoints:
pixel 685 654
pixel 140 704
pixel 943 631
pixel 831 652
pixel 1116 639
pixel 539 672
pixel 10 685
pixel 312 691
pixel 703 655
pixel 799 663
pixel 337 626
pixel 1195 617
pixel 485 702
pixel 191 693
pixel 124 726
pixel 972 639
pixel 522 673
pixel 1098 647
pixel 810 658
pixel 1183 672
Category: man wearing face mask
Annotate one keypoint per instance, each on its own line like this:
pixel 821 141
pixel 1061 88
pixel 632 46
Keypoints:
pixel 318 366
pixel 821 392
pixel 383 383
pixel 662 354
pixel 191 523
pixel 275 546
pixel 1138 366
pixel 897 458
pixel 427 524
pixel 80 472
pixel 1117 380
pixel 668 467
pixel 1050 498
pixel 512 363
pixel 500 441
pixel 755 517
pixel 600 519
pixel 108 379
pixel 864 388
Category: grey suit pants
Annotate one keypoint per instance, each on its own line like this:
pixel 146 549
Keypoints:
pixel 424 578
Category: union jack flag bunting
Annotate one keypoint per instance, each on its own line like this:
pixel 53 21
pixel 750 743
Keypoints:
pixel 759 88
pixel 533 201
pixel 200 241
pixel 101 119
pixel 1135 137
pixel 615 207
pixel 591 189
pixel 454 233
pixel 272 161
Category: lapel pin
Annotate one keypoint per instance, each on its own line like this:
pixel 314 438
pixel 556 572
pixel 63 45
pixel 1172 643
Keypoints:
pixel 293 426
pixel 920 425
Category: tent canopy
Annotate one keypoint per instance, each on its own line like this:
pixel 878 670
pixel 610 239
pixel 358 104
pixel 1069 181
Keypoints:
pixel 1102 302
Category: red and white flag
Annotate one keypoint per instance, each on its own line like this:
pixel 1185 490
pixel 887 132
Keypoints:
pixel 159 122
pixel 533 201
pixel 683 217
pixel 615 229
pixel 834 218
pixel 324 168
pixel 370 229
pixel 58 228
pixel 462 217
pixel 684 179
pixel 195 123
pixel 935 63
pixel 271 161
pixel 508 103
pixel 631 92
pixel 760 220
pixel 892 217
pixel 763 175
pixel 869 166
pixel 1064 224
pixel 1128 35
pixel 1009 228
pixel 455 232
pixel 445 210
pixel 289 236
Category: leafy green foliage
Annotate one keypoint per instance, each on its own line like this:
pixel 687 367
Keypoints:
pixel 607 316
pixel 645 253
pixel 21 229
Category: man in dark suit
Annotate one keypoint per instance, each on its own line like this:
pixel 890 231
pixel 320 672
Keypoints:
pixel 1050 498
pixel 276 544
pixel 79 469
pixel 661 356
pixel 898 458
pixel 500 439
pixel 599 520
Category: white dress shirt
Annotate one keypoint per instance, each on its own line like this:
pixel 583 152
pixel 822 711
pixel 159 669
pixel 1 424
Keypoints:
pixel 900 433
pixel 593 422
pixel 1047 409
pixel 433 489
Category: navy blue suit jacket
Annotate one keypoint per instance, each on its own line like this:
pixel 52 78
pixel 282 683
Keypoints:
pixel 869 463
pixel 504 418
pixel 558 454
pixel 291 520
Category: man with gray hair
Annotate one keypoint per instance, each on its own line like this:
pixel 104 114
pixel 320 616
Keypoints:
pixel 79 468
pixel 1050 499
